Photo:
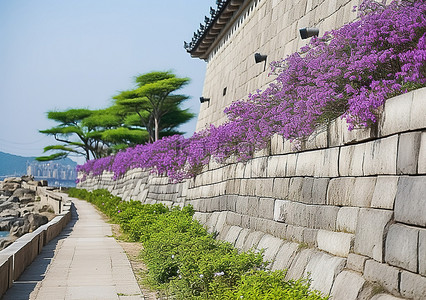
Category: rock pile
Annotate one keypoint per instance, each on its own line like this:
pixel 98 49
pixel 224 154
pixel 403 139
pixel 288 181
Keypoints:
pixel 20 208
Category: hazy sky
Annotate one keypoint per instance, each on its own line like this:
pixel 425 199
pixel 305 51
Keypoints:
pixel 60 54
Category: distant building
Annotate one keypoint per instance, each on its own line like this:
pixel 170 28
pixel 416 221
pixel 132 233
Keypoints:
pixel 56 174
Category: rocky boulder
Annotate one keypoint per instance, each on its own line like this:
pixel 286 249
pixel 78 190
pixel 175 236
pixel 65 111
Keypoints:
pixel 20 212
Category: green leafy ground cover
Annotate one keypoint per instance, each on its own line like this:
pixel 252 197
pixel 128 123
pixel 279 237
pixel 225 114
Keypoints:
pixel 187 262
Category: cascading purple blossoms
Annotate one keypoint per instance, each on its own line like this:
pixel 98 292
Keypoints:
pixel 348 72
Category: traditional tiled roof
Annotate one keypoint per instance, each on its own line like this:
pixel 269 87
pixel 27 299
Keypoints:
pixel 207 33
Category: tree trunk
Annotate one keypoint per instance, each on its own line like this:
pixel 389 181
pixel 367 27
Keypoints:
pixel 156 129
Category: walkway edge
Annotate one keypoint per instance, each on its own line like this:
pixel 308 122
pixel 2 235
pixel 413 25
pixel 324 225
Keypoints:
pixel 15 258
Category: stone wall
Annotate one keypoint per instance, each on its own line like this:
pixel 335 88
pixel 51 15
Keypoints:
pixel 21 253
pixel 348 208
pixel 270 27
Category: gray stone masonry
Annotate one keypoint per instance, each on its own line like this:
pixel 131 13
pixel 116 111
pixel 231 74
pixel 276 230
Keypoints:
pixel 402 247
pixel 383 275
pixel 370 232
pixel 410 202
pixel 356 199
pixel 347 286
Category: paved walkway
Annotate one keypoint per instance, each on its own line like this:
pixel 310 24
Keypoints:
pixel 83 262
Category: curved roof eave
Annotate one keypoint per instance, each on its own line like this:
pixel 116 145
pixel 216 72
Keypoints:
pixel 206 35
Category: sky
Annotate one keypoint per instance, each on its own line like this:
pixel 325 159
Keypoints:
pixel 61 54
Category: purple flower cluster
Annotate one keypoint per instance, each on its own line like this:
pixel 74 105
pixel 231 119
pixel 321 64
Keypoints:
pixel 348 72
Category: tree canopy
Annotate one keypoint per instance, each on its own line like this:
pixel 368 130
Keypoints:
pixel 137 116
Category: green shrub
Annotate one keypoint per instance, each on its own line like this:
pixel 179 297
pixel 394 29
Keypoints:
pixel 184 260
pixel 267 285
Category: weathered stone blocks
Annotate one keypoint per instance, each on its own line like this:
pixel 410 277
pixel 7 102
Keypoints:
pixel 356 262
pixel 382 274
pixel 402 247
pixel 408 153
pixel 270 245
pixel 323 269
pixel 347 286
pixel 285 256
pixel 336 243
pixel 347 219
pixel 421 169
pixel 413 286
pixel 410 202
pixel 385 192
pixel 422 252
pixel 394 118
pixel 369 235
pixel 298 266
pixel 418 109
pixel 380 156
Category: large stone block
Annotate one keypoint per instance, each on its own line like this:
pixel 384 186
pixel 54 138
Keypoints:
pixel 252 240
pixel 306 162
pixel 385 192
pixel 413 286
pixel 253 206
pixel 418 109
pixel 241 205
pixel 319 190
pixel 356 262
pixel 299 263
pixel 326 217
pixel 281 187
pixel 277 166
pixel 422 252
pixel 362 192
pixel 402 247
pixel 277 144
pixel 421 169
pixel 340 191
pixel 266 208
pixel 380 156
pixel 408 153
pixel 347 286
pixel 285 256
pixel 294 233
pixel 396 115
pixel 336 243
pixel 232 234
pixel 323 269
pixel 351 160
pixel 295 188
pixel 371 228
pixel 310 237
pixel 347 219
pixel 259 167
pixel 278 207
pixel 382 274
pixel 239 244
pixel 410 202
pixel 264 187
pixel 279 229
pixel 291 164
pixel 270 245
pixel 328 165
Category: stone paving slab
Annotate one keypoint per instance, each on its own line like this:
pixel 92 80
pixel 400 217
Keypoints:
pixel 83 262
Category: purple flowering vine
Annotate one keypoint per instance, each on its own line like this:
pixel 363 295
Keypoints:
pixel 348 72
